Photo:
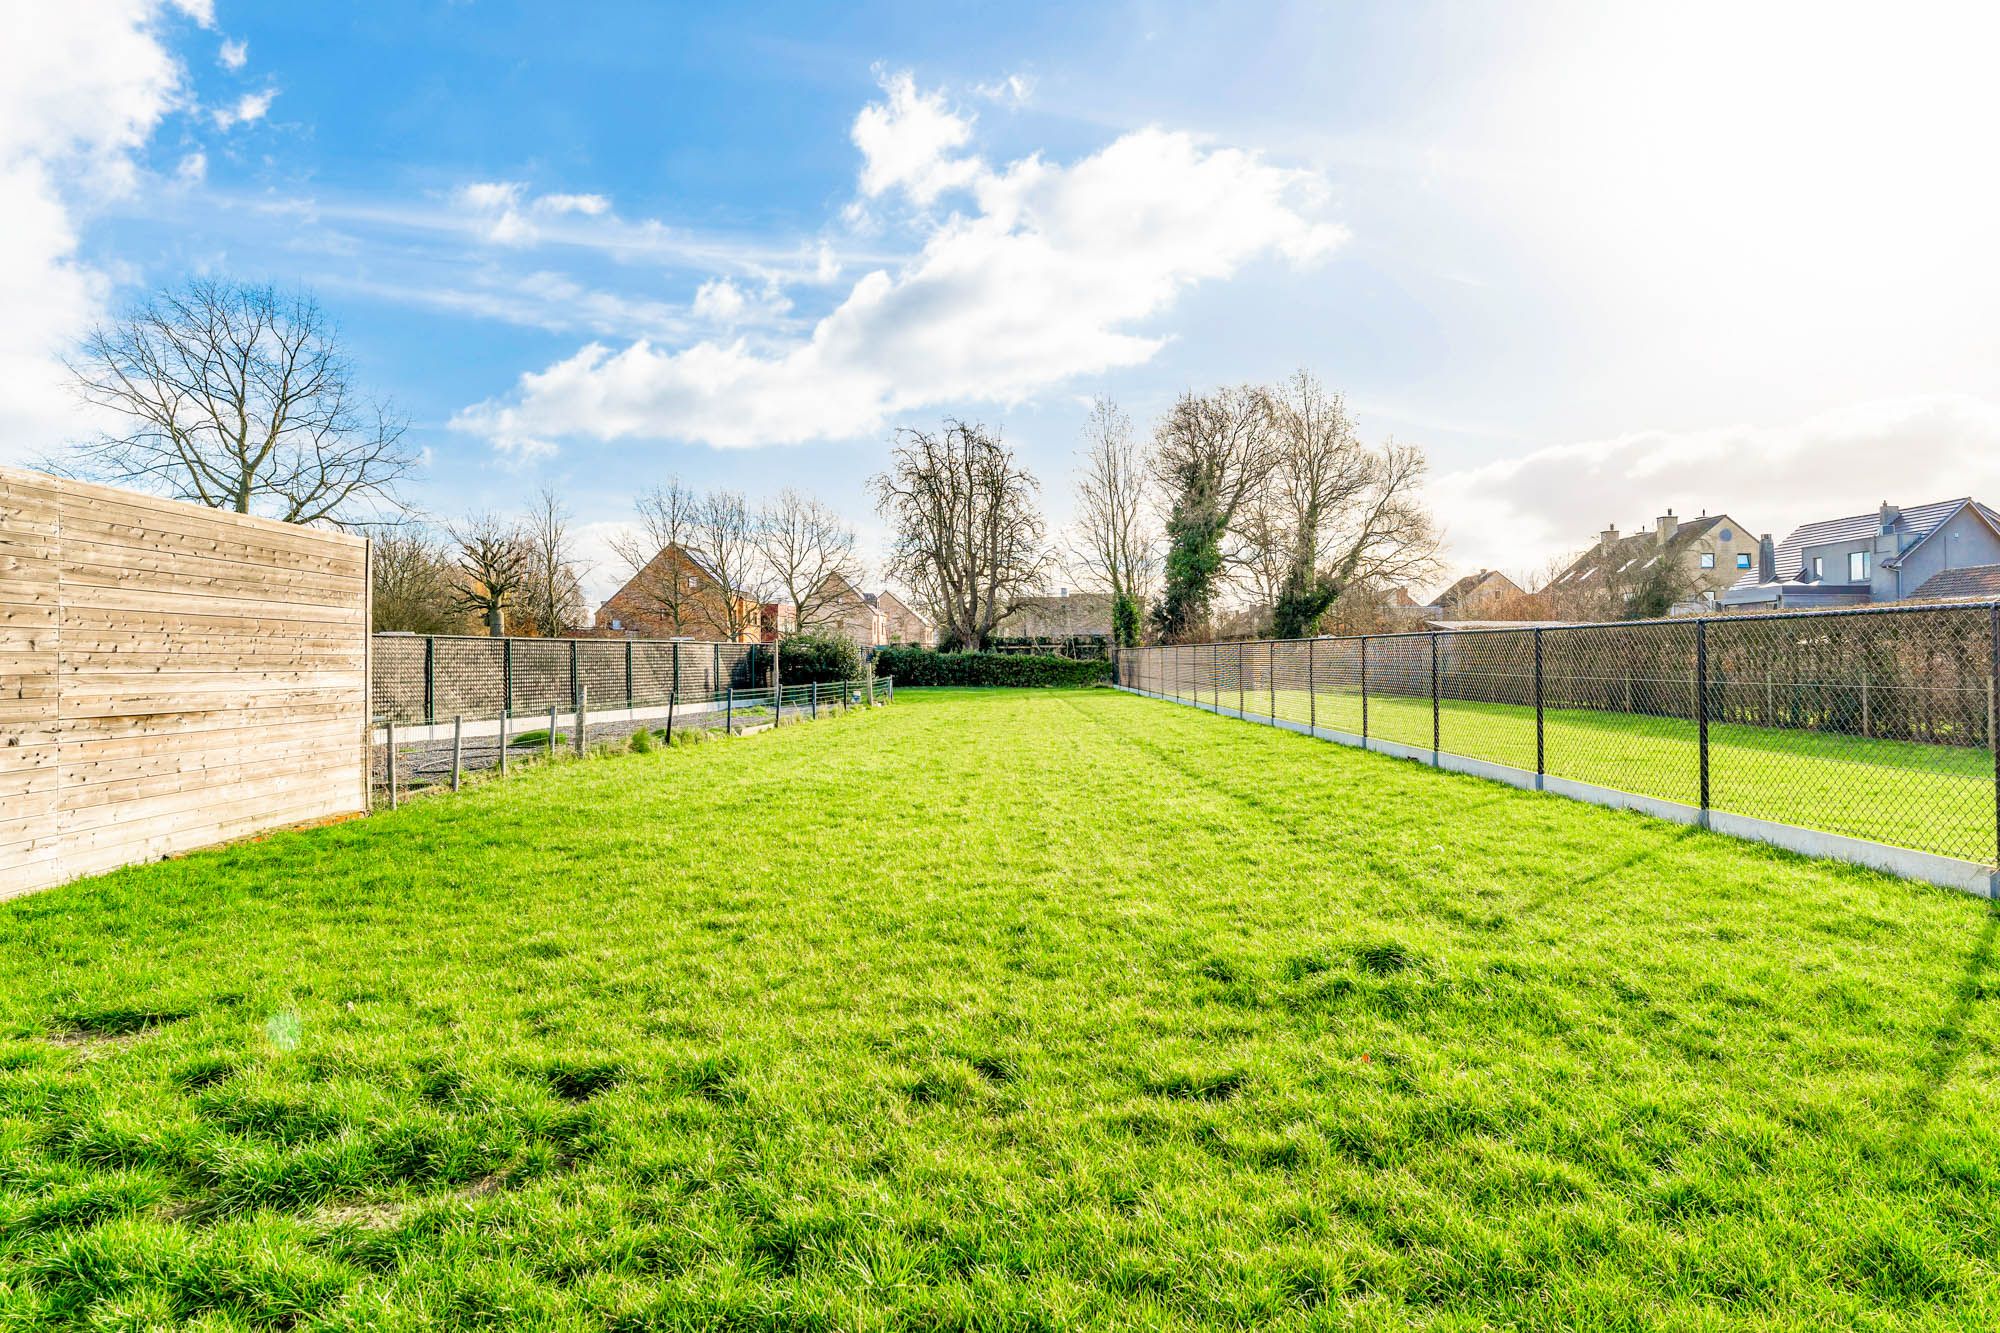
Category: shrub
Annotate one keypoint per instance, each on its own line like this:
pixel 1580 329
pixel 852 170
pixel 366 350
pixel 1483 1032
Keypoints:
pixel 921 666
pixel 642 741
pixel 806 659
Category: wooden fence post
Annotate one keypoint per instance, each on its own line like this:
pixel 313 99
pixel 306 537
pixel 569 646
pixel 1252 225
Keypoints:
pixel 391 740
pixel 582 714
pixel 552 731
pixel 457 748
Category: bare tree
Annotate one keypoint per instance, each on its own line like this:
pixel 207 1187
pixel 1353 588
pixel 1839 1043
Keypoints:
pixel 492 568
pixel 552 592
pixel 666 522
pixel 968 536
pixel 809 553
pixel 1336 514
pixel 1113 542
pixel 1210 455
pixel 237 397
pixel 725 542
pixel 416 582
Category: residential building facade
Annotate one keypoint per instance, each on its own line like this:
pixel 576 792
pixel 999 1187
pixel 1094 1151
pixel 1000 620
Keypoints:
pixel 1946 549
pixel 1067 615
pixel 677 596
pixel 1474 596
pixel 1709 554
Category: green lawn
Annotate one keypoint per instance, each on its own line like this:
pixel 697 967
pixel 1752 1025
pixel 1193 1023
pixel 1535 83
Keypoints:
pixel 1935 798
pixel 1023 1010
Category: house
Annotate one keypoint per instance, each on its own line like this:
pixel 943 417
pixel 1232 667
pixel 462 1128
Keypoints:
pixel 1710 553
pixel 677 595
pixel 1928 551
pixel 903 623
pixel 1067 615
pixel 1474 595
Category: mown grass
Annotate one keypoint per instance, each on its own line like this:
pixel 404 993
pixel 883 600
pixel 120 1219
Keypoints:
pixel 1022 1010
pixel 1935 798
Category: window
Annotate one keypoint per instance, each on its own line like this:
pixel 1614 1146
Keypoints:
pixel 693 583
pixel 1708 560
pixel 1819 567
pixel 1726 535
pixel 1859 564
pixel 616 625
pixel 1743 562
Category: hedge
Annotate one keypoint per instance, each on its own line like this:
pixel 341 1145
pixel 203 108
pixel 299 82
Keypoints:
pixel 808 659
pixel 921 666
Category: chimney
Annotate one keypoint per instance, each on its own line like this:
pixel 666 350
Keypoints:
pixel 1668 526
pixel 1767 560
pixel 1607 537
pixel 1890 514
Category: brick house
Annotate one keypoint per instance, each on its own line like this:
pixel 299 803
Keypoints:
pixel 678 580
pixel 901 622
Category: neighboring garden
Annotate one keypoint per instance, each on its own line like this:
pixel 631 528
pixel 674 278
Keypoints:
pixel 1063 1009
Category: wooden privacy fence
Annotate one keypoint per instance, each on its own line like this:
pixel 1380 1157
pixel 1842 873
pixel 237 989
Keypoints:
pixel 170 677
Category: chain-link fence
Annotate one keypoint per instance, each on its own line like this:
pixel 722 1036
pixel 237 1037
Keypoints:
pixel 1873 725
pixel 445 706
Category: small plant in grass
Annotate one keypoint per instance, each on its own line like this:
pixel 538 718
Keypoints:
pixel 529 739
pixel 642 741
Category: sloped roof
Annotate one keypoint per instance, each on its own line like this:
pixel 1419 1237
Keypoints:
pixel 1971 583
pixel 1464 587
pixel 1918 522
pixel 1629 555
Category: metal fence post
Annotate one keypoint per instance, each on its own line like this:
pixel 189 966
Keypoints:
pixel 729 708
pixel 552 731
pixel 506 676
pixel 1541 734
pixel 628 675
pixel 717 650
pixel 1272 667
pixel 503 742
pixel 1242 658
pixel 1435 729
pixel 430 680
pixel 1701 707
pixel 1312 687
pixel 575 677
pixel 1993 627
pixel 1364 691
pixel 815 701
pixel 390 724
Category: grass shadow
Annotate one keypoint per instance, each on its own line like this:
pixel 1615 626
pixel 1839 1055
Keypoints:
pixel 1947 1052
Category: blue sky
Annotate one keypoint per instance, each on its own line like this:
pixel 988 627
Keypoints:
pixel 1598 260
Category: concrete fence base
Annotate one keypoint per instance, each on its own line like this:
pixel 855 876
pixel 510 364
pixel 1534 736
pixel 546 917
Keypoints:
pixel 1982 881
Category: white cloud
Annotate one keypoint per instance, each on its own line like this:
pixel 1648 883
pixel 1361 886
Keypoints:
pixel 719 299
pixel 233 55
pixel 245 110
pixel 1044 280
pixel 1515 513
pixel 192 169
pixel 504 209
pixel 83 84
pixel 590 205
pixel 908 143
pixel 1012 91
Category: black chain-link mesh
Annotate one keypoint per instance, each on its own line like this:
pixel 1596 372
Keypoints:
pixel 419 680
pixel 1878 725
